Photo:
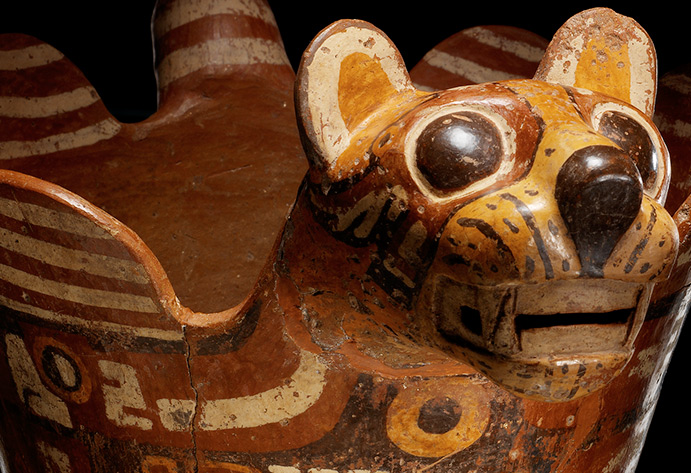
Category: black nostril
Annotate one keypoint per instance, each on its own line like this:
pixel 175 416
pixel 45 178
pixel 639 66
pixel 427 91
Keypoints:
pixel 599 193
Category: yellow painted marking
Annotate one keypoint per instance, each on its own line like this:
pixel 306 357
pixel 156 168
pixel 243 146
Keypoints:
pixel 597 71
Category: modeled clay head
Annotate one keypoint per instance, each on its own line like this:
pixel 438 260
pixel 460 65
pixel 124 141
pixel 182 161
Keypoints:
pixel 522 221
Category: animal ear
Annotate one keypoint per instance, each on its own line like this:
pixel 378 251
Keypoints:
pixel 350 76
pixel 603 51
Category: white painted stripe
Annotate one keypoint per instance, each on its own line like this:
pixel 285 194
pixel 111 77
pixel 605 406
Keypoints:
pixel 90 325
pixel 423 87
pixel 678 82
pixel 679 128
pixel 4 467
pixel 30 389
pixel 43 217
pixel 465 68
pixel 39 107
pixel 78 294
pixel 518 48
pixel 283 469
pixel 274 405
pixel 292 469
pixel 367 471
pixel 77 260
pixel 31 56
pixel 182 12
pixel 60 142
pixel 220 52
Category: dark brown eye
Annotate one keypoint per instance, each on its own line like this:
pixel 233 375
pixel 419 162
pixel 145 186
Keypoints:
pixel 635 140
pixel 458 149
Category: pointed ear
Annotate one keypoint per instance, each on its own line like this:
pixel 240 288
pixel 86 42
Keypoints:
pixel 350 75
pixel 603 51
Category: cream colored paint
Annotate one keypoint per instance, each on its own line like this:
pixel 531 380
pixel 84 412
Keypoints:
pixel 564 71
pixel 508 136
pixel 39 107
pixel 329 126
pixel 372 205
pixel 655 378
pixel 66 370
pixel 182 12
pixel 580 295
pixel 520 49
pixel 90 325
pixel 642 82
pixel 28 57
pixel 30 389
pixel 78 294
pixel 677 127
pixel 390 266
pixel 677 82
pixel 124 396
pixel 220 52
pixel 54 458
pixel 292 469
pixel 466 68
pixel 83 137
pixel 274 405
pixel 77 260
pixel 643 75
pixel 44 217
pixel 170 410
pixel 414 238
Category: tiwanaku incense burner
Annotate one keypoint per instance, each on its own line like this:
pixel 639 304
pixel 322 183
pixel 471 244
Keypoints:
pixel 351 268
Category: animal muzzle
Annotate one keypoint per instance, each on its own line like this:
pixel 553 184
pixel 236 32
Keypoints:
pixel 599 193
pixel 544 288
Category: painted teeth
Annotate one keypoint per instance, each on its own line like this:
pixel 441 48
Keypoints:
pixel 551 319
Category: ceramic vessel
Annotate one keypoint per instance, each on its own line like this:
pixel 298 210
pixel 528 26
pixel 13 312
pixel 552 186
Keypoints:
pixel 347 269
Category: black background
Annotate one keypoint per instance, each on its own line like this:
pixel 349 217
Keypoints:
pixel 110 41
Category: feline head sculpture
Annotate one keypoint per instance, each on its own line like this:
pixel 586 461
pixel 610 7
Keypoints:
pixel 454 258
pixel 521 220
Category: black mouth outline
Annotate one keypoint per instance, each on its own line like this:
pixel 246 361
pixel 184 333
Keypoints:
pixel 617 317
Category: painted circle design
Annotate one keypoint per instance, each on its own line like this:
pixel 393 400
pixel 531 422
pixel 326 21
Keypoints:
pixel 62 370
pixel 438 417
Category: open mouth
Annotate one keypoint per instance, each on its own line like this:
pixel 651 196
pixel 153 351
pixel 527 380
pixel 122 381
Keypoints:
pixel 554 319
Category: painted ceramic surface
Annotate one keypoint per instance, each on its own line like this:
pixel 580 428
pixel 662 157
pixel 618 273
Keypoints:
pixel 478 272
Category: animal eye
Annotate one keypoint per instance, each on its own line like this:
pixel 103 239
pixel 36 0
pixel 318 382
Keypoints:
pixel 639 140
pixel 634 140
pixel 458 149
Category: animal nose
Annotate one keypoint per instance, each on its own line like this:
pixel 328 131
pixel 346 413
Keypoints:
pixel 599 193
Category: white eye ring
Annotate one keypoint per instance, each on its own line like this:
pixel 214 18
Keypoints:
pixel 508 137
pixel 658 190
